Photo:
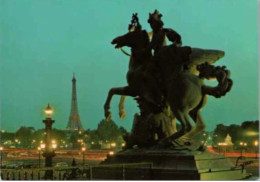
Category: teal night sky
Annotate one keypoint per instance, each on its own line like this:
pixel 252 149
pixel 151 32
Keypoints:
pixel 44 41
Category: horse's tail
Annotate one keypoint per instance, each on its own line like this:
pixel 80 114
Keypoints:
pixel 224 82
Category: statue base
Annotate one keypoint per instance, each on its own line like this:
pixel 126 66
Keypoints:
pixel 171 165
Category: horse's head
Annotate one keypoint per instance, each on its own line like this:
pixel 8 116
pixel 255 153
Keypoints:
pixel 135 39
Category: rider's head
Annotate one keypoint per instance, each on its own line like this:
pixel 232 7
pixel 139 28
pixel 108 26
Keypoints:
pixel 155 20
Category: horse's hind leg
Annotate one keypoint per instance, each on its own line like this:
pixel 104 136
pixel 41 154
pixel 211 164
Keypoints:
pixel 115 91
pixel 197 118
pixel 199 127
pixel 180 116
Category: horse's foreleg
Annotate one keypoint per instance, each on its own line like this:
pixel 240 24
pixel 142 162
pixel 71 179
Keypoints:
pixel 180 116
pixel 115 91
pixel 122 112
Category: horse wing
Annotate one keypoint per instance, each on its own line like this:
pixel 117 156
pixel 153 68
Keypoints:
pixel 199 56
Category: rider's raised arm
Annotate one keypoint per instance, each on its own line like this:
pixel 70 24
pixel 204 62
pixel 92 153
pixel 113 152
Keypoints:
pixel 173 36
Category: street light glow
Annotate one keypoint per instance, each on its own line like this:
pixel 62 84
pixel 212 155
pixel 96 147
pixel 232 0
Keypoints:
pixel 54 145
pixel 1 148
pixel 48 111
pixel 113 144
pixel 83 149
pixel 252 133
pixel 111 153
pixel 256 143
pixel 42 145
pixel 222 144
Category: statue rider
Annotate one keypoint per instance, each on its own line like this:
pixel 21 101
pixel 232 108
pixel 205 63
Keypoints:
pixel 159 33
pixel 158 38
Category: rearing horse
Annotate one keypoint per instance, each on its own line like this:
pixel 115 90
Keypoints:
pixel 139 76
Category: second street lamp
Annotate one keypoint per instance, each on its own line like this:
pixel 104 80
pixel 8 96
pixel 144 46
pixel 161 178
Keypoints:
pixel 83 149
pixel 39 150
pixel 241 148
pixel 256 148
pixel 1 150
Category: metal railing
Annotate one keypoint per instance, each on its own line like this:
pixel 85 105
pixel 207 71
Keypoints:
pixel 86 172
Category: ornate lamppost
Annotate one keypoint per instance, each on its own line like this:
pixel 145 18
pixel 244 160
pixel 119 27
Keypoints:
pixel 245 145
pixel 241 148
pixel 1 150
pixel 256 148
pixel 83 149
pixel 39 152
pixel 48 152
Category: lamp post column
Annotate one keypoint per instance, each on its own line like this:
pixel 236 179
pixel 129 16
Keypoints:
pixel 39 150
pixel 241 149
pixel 256 148
pixel 49 152
pixel 83 149
pixel 1 150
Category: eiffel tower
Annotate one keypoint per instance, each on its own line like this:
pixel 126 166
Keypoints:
pixel 74 123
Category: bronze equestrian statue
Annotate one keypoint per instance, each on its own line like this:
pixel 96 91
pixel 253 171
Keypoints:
pixel 167 79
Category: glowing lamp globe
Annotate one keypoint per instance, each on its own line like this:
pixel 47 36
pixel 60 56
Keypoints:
pixel 48 111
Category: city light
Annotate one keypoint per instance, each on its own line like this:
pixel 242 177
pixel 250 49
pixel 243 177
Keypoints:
pixel 42 145
pixel 252 133
pixel 111 153
pixel 48 111
pixel 80 141
pixel 113 144
pixel 54 145
pixel 222 144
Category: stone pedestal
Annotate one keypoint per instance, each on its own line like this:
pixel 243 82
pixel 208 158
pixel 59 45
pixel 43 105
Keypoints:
pixel 177 165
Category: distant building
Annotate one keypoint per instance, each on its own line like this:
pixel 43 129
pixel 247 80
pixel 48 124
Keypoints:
pixel 229 144
pixel 228 140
